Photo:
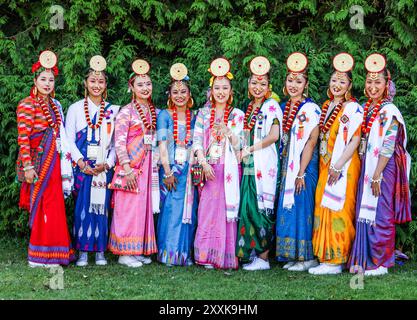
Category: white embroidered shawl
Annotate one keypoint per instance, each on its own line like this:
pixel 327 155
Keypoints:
pixel 306 120
pixel 64 151
pixel 334 196
pixel 369 202
pixel 266 159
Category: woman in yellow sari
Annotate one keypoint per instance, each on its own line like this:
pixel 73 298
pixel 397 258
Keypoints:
pixel 334 214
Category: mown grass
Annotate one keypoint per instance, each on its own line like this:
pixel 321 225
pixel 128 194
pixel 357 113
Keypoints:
pixel 156 281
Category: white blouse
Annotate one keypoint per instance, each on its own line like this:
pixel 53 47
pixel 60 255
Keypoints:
pixel 76 121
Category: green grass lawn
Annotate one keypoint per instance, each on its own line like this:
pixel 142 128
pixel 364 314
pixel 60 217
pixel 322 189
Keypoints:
pixel 156 281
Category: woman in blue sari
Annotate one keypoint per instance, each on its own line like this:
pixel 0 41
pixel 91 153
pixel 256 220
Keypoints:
pixel 177 219
pixel 90 126
pixel 299 173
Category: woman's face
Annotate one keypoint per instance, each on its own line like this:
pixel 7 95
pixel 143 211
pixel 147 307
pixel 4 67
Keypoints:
pixel 339 84
pixel 180 94
pixel 96 84
pixel 45 82
pixel 375 88
pixel 295 85
pixel 142 87
pixel 258 86
pixel 221 90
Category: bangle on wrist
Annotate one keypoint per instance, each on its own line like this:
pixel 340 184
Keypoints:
pixel 169 175
pixel 332 167
pixel 301 177
pixel 377 180
pixel 27 168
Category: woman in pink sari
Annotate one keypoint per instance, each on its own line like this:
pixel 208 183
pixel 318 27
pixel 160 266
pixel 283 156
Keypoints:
pixel 132 234
pixel 217 139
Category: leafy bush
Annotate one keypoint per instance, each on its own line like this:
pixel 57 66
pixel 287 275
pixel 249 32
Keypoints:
pixel 194 32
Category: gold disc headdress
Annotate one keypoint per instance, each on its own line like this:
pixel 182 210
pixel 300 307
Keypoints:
pixel 343 63
pixel 259 66
pixel 297 63
pixel 140 67
pixel 374 64
pixel 220 67
pixel 98 64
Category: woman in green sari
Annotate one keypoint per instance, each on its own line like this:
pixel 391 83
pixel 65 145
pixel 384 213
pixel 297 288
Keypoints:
pixel 260 164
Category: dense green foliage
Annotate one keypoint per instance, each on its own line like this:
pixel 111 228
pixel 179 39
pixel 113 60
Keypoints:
pixel 194 32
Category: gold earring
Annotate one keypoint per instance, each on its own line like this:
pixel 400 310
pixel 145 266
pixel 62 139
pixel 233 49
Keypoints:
pixel 365 93
pixel 249 95
pixel 284 91
pixel 348 95
pixel 133 96
pixel 305 93
pixel 211 98
pixel 105 94
pixel 35 90
pixel 190 103
pixel 230 100
pixel 329 93
pixel 53 93
pixel 85 92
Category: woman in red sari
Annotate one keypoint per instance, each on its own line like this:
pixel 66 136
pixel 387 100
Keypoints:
pixel 44 167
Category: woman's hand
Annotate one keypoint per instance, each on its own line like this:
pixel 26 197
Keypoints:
pixel 131 179
pixel 85 168
pixel 333 176
pixel 208 171
pixel 31 176
pixel 99 168
pixel 222 129
pixel 300 184
pixel 376 185
pixel 171 183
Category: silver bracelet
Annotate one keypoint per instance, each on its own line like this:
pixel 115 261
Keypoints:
pixel 377 180
pixel 332 167
pixel 302 177
pixel 166 176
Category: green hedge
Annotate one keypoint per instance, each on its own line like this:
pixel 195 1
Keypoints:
pixel 194 32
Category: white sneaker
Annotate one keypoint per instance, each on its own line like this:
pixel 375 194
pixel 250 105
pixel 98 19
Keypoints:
pixel 289 264
pixel 303 265
pixel 82 260
pixel 326 268
pixel 257 264
pixel 143 259
pixel 130 261
pixel 376 272
pixel 36 265
pixel 100 259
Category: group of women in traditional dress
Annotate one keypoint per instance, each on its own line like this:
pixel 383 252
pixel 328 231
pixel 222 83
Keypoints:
pixel 222 187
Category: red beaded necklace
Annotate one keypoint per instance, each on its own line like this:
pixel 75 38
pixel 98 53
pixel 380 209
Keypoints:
pixel 225 119
pixel 100 117
pixel 249 125
pixel 289 121
pixel 149 126
pixel 325 127
pixel 45 110
pixel 188 123
pixel 366 128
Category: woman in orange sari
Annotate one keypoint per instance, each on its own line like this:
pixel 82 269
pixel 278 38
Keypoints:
pixel 334 214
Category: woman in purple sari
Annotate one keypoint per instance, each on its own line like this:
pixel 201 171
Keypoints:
pixel 383 194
